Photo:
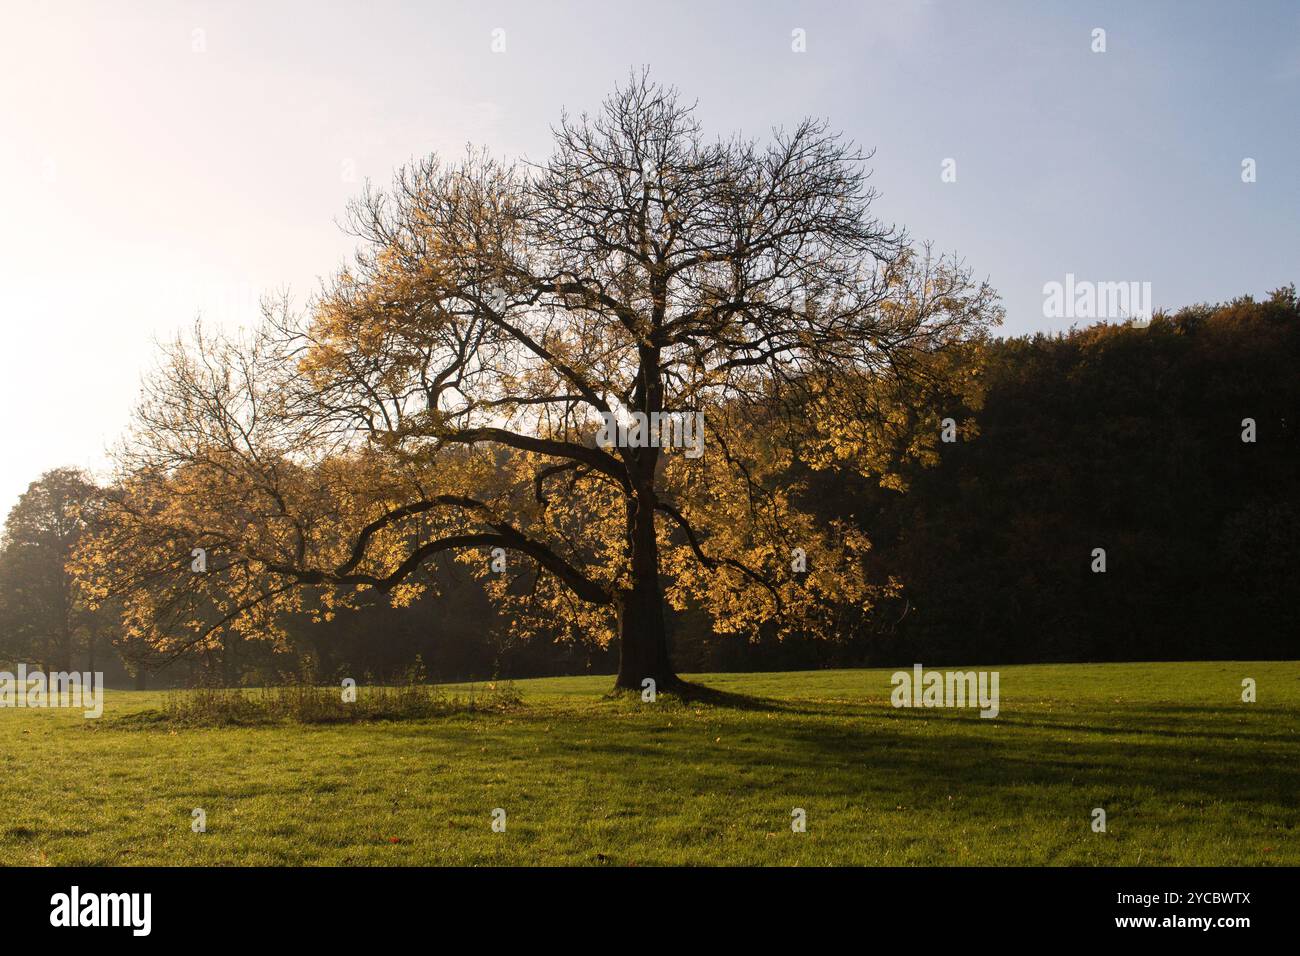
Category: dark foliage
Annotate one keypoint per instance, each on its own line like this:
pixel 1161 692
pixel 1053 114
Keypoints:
pixel 1122 438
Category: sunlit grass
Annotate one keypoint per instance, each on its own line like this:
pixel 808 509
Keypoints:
pixel 1188 775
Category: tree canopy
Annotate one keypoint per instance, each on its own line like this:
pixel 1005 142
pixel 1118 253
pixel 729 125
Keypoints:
pixel 450 395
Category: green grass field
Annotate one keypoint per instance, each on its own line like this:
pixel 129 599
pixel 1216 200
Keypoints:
pixel 1187 773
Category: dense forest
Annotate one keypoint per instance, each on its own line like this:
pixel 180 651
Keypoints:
pixel 1170 447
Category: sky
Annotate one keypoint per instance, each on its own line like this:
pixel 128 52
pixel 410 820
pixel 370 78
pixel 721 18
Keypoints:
pixel 165 161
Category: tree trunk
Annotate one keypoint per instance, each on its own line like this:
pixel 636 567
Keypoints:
pixel 643 642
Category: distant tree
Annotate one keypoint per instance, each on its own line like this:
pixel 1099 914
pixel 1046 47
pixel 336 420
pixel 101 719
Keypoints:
pixel 451 392
pixel 44 613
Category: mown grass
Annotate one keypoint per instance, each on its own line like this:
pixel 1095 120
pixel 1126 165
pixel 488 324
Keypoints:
pixel 1188 775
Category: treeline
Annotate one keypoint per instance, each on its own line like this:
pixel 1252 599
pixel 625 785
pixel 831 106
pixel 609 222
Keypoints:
pixel 1168 452
pixel 1175 448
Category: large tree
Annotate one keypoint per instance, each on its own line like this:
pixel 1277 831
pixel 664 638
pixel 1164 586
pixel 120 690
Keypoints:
pixel 446 394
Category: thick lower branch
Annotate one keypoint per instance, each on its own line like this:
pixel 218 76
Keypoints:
pixel 502 535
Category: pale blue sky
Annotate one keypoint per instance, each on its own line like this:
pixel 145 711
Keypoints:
pixel 146 182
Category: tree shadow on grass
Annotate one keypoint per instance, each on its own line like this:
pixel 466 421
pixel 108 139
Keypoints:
pixel 1006 768
pixel 1147 719
pixel 1157 720
pixel 688 693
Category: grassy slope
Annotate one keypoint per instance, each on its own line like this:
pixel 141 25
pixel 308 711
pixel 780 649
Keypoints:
pixel 1187 773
